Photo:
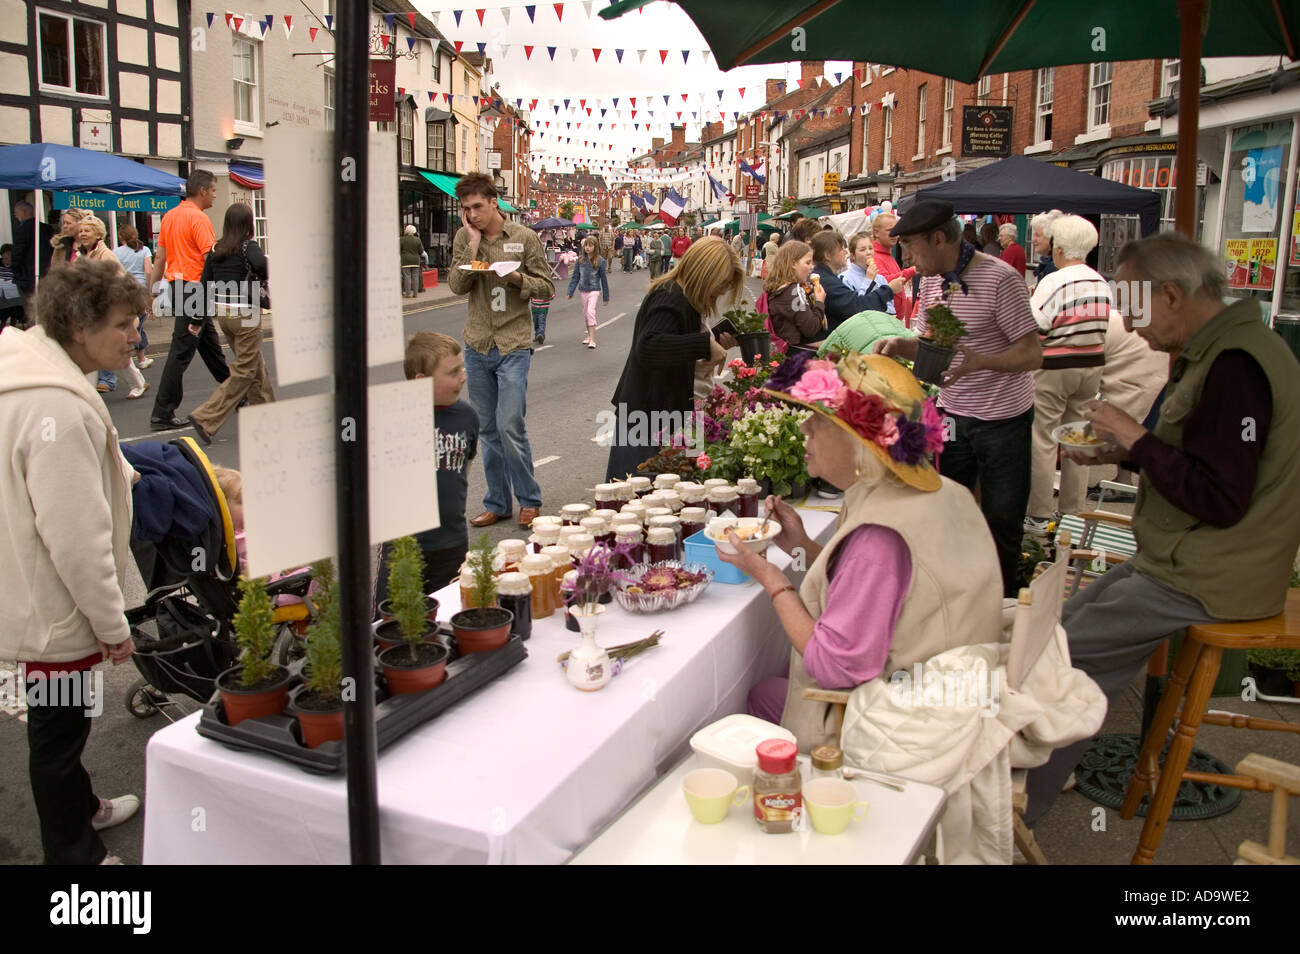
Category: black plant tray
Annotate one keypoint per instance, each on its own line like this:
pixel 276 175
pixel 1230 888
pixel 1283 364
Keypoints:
pixel 395 715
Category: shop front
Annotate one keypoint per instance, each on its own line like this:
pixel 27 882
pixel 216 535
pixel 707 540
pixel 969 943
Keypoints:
pixel 1144 165
pixel 427 200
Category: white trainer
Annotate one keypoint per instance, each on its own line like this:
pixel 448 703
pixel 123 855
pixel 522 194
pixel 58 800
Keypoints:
pixel 114 811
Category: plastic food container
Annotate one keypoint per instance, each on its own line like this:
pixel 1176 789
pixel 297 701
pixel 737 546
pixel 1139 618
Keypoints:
pixel 730 743
pixel 700 549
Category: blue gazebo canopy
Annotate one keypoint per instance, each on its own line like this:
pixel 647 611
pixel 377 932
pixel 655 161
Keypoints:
pixel 69 169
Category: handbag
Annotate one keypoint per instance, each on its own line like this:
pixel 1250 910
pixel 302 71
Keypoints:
pixel 264 287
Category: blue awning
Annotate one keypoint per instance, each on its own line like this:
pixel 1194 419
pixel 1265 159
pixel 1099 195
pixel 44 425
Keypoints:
pixel 49 166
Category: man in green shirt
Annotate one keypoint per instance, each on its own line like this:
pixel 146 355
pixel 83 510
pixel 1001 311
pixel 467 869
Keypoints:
pixel 498 339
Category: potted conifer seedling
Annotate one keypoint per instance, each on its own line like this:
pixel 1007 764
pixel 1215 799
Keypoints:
pixel 318 703
pixel 934 352
pixel 256 687
pixel 420 662
pixel 486 628
pixel 388 631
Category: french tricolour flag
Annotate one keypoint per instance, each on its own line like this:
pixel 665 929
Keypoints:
pixel 672 207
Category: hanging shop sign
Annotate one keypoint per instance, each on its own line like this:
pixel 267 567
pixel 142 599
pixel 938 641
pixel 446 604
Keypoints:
pixel 104 202
pixel 986 130
pixel 383 79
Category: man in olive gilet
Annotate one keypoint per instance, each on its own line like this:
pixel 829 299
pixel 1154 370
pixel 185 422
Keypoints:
pixel 1217 520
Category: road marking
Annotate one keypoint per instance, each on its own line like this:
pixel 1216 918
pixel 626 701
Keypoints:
pixel 543 348
pixel 611 321
pixel 546 460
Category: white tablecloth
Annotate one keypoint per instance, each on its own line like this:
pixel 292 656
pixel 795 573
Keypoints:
pixel 527 770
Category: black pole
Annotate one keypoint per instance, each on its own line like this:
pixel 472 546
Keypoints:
pixel 351 158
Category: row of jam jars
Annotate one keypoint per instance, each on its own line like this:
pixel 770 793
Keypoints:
pixel 693 520
pixel 723 499
pixel 509 555
pixel 561 563
pixel 541 577
pixel 632 537
pixel 515 593
pixel 747 492
pixel 572 514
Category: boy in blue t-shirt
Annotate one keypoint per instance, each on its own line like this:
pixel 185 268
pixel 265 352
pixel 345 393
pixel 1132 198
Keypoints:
pixel 431 355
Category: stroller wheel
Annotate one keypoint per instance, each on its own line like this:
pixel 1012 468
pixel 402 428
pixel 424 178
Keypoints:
pixel 289 646
pixel 143 700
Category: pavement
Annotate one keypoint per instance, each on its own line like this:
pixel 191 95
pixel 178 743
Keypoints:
pixel 568 386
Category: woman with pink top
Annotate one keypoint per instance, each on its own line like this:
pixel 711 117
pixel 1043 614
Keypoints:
pixel 911 570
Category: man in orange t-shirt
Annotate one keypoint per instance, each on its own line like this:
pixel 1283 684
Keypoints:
pixel 184 240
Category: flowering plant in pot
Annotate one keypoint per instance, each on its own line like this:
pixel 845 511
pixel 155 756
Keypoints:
pixel 318 703
pixel 771 447
pixel 751 333
pixel 421 662
pixel 486 628
pixel 934 351
pixel 257 686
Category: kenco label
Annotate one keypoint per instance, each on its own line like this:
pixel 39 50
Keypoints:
pixel 778 806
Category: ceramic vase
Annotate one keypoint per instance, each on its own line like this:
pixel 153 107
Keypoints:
pixel 589 665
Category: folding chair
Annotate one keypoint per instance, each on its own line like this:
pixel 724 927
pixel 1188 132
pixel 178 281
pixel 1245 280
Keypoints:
pixel 1103 536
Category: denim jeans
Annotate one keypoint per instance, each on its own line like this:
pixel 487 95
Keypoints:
pixel 498 389
pixel 108 378
pixel 995 455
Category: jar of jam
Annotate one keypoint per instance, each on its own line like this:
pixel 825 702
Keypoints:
pixel 632 538
pixel 661 544
pixel 693 520
pixel 607 513
pixel 723 499
pixel 637 508
pixel 510 552
pixel 747 496
pixel 547 535
pixel 827 762
pixel 640 485
pixel 778 787
pixel 579 544
pixel 693 496
pixel 593 525
pixel 572 514
pixel 653 500
pixel 625 520
pixel 467 600
pixel 540 574
pixel 672 500
pixel 569 596
pixel 561 563
pixel 568 533
pixel 671 523
pixel 667 481
pixel 626 492
pixel 715 482
pixel 606 496
pixel 516 594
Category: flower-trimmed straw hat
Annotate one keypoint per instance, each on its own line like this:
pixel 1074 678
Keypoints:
pixel 875 399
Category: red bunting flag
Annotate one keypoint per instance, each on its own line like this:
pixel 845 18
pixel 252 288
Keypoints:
pixel 663 55
pixel 633 102
pixel 239 22
pixel 684 96
pixel 559 11
pixel 583 102
pixel 528 55
pixel 311 31
pixel 384 38
pixel 742 92
pixel 228 16
pixel 459 44
pixel 288 25
pixel 480 16
pixel 595 54
pixel 410 18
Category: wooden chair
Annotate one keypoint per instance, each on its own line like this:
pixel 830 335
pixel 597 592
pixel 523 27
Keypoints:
pixel 1038 610
pixel 1284 779
pixel 1101 533
pixel 1195 671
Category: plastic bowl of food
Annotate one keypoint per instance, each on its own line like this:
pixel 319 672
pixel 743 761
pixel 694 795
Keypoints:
pixel 749 529
pixel 662 586
pixel 1078 437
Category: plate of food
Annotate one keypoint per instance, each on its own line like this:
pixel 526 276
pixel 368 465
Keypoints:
pixel 751 531
pixel 662 586
pixel 1078 436
pixel 499 268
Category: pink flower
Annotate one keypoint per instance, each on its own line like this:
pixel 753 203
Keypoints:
pixel 820 364
pixel 735 363
pixel 819 386
pixel 933 427
pixel 703 462
pixel 888 433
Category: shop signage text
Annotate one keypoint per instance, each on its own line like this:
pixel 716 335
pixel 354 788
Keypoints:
pixel 383 78
pixel 986 130
pixel 103 202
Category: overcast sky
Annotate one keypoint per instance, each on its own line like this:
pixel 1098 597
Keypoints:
pixel 661 26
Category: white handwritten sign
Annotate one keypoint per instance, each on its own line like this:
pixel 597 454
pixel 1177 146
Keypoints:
pixel 301 175
pixel 287 459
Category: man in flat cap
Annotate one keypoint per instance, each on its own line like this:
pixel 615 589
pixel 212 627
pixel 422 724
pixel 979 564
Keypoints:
pixel 988 391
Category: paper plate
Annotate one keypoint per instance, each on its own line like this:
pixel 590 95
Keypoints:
pixel 500 268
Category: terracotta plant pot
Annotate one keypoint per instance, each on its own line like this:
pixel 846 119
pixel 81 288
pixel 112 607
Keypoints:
pixel 403 676
pixel 389 634
pixel 385 610
pixel 270 698
pixel 321 720
pixel 931 361
pixel 481 630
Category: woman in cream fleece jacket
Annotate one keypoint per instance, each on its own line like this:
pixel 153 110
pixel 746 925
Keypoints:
pixel 66 500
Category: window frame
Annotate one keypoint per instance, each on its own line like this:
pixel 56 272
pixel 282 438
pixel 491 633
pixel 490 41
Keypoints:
pixel 866 141
pixel 330 98
pixel 1044 111
pixel 71 90
pixel 1093 88
pixel 984 88
pixel 922 94
pixel 437 65
pixel 406 133
pixel 1168 82
pixel 887 154
pixel 949 104
pixel 252 125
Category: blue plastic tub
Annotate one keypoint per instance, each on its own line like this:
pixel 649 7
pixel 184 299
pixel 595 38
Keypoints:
pixel 700 549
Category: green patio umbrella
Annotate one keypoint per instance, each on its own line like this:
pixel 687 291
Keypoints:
pixel 806 211
pixel 995 36
pixel 631 226
pixel 584 226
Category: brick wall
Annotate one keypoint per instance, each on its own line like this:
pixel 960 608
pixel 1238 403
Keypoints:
pixel 837 107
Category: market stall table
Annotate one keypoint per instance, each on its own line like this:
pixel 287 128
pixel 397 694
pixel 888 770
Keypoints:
pixel 659 829
pixel 527 770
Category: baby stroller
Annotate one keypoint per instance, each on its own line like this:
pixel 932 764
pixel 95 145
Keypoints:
pixel 184 633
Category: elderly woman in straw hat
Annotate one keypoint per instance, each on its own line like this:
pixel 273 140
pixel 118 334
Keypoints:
pixel 911 570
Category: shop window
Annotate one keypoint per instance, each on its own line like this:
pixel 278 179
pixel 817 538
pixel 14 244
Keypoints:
pixel 1256 229
pixel 1043 107
pixel 436 145
pixel 245 63
pixel 73 55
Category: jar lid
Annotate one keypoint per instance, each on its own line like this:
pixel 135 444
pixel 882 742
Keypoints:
pixel 467 577
pixel 665 520
pixel 514 584
pixel 592 525
pixel 655 499
pixel 633 506
pixel 512 546
pixel 715 482
pixel 747 485
pixel 546 522
pixel 661 535
pixel 692 514
pixel 548 532
pixel 686 486
pixel 629 530
pixel 640 483
pixel 722 493
pixel 776 756
pixel 827 758
pixel 605 514
pixel 670 495
pixel 575 509
pixel 580 540
pixel 535 563
pixel 569 531
pixel 652 512
pixel 607 489
pixel 667 480
pixel 626 520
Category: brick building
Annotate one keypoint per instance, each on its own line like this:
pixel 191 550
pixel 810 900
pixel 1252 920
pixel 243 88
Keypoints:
pixel 551 189
pixel 511 142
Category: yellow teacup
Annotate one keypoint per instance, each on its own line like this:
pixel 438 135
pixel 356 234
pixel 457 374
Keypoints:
pixel 710 792
pixel 831 804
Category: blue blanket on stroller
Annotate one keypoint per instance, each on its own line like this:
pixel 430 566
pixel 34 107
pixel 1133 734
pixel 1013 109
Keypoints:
pixel 171 498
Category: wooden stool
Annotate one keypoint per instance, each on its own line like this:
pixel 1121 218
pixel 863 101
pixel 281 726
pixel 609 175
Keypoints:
pixel 1284 779
pixel 1195 672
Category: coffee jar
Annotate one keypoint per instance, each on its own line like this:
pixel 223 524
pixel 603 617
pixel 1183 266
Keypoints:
pixel 778 787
